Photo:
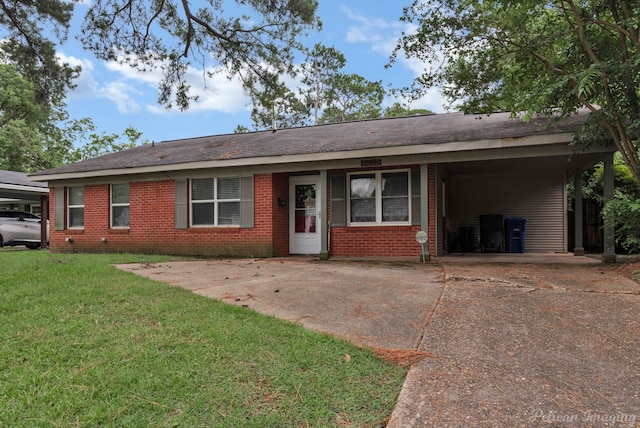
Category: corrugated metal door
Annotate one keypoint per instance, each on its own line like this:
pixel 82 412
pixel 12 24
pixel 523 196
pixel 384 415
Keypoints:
pixel 537 194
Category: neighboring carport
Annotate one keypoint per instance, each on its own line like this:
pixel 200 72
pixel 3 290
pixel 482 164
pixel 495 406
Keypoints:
pixel 17 192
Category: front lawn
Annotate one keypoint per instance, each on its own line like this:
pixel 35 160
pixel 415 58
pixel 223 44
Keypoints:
pixel 84 344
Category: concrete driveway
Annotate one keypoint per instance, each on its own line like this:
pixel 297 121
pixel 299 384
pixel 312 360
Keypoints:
pixel 510 342
pixel 366 303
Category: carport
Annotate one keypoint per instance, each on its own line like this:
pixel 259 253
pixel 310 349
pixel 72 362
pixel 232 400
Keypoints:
pixel 17 192
pixel 530 187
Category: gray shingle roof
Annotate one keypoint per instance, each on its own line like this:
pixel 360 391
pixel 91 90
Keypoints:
pixel 339 137
pixel 18 179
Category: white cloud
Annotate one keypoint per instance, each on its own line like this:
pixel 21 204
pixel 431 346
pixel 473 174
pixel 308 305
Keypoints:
pixel 151 77
pixel 123 95
pixel 86 84
pixel 381 34
pixel 216 93
pixel 432 100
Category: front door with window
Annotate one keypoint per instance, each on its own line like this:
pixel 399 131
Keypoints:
pixel 305 227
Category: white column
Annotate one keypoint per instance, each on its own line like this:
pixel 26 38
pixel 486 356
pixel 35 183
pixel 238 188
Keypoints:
pixel 324 207
pixel 424 206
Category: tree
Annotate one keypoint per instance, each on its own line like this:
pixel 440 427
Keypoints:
pixel 531 57
pixel 23 25
pixel 352 97
pixel 256 44
pixel 623 212
pixel 398 110
pixel 321 65
pixel 240 129
pixel 94 143
pixel 27 127
pixel 278 107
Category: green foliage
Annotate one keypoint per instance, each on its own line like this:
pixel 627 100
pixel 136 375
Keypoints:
pixel 623 211
pixel 28 29
pixel 257 44
pixel 624 214
pixel 398 110
pixel 84 344
pixel 532 57
pixel 278 107
pixel 92 144
pixel 332 96
pixel 352 97
pixel 28 132
pixel 321 65
pixel 240 129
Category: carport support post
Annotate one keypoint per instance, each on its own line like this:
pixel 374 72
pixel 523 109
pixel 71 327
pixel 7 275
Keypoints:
pixel 424 205
pixel 324 236
pixel 44 217
pixel 578 249
pixel 609 254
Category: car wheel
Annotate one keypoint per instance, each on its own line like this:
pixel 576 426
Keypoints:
pixel 33 246
pixel 1 242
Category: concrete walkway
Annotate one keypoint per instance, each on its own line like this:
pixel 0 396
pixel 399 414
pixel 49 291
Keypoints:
pixel 368 304
pixel 514 340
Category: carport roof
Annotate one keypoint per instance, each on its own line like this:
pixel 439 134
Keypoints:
pixel 11 180
pixel 329 140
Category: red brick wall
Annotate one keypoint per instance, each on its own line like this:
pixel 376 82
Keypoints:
pixel 152 227
pixel 372 241
pixel 382 241
pixel 280 215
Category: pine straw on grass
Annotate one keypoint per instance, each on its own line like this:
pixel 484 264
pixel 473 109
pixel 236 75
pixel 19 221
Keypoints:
pixel 402 357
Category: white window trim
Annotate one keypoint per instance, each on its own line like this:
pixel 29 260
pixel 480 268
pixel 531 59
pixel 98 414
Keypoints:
pixel 112 205
pixel 69 207
pixel 378 177
pixel 215 202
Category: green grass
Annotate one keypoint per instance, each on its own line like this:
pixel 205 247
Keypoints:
pixel 84 344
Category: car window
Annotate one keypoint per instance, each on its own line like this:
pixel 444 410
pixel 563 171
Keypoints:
pixel 18 214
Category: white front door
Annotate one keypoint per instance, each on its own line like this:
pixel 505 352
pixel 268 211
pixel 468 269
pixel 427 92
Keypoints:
pixel 304 213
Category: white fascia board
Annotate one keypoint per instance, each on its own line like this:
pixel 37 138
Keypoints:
pixel 421 149
pixel 22 188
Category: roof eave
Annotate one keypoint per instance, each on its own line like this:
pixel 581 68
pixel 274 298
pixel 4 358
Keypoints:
pixel 420 149
pixel 23 188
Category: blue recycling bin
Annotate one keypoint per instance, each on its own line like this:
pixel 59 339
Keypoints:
pixel 515 229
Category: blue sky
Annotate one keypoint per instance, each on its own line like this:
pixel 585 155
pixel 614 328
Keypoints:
pixel 115 96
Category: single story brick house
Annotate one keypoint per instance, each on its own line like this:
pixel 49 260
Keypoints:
pixel 348 189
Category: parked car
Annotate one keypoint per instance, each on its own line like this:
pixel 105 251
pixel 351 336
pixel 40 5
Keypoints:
pixel 20 228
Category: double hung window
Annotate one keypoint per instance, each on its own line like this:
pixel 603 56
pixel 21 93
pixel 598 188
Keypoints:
pixel 75 206
pixel 215 201
pixel 119 205
pixel 379 198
